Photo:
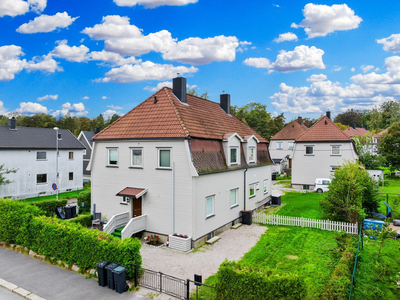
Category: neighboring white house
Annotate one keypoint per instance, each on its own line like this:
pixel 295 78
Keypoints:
pixel 281 144
pixel 318 151
pixel 32 151
pixel 181 164
pixel 364 132
pixel 85 137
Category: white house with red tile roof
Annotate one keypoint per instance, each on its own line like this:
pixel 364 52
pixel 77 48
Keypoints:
pixel 181 164
pixel 281 144
pixel 354 132
pixel 318 151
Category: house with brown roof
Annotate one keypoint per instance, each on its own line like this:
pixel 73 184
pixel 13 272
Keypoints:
pixel 354 132
pixel 318 151
pixel 181 164
pixel 282 143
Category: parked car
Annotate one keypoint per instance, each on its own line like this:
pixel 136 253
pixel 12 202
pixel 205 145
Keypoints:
pixel 322 185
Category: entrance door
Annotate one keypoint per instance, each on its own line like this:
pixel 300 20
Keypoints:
pixel 136 207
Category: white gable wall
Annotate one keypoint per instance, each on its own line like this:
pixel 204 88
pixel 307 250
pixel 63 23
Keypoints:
pixel 306 168
pixel 280 153
pixel 24 180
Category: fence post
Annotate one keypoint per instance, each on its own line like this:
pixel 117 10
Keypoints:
pixel 160 282
pixel 136 275
pixel 187 289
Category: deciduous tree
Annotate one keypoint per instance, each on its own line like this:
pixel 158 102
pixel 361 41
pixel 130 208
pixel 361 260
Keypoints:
pixel 389 146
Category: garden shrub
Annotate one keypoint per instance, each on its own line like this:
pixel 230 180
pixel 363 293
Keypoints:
pixel 237 281
pixel 84 201
pixel 62 240
pixel 48 207
pixel 84 220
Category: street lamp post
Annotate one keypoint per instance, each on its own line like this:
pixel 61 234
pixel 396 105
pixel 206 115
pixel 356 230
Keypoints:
pixel 56 129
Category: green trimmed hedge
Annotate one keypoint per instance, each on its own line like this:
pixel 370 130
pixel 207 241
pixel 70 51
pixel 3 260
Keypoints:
pixel 84 201
pixel 20 223
pixel 84 220
pixel 235 281
pixel 48 207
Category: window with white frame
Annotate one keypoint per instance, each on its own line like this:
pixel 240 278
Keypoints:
pixel 234 155
pixel 71 155
pixel 71 176
pixel 333 168
pixel 164 158
pixel 137 158
pixel 234 197
pixel 335 150
pixel 251 154
pixel 41 155
pixel 209 206
pixel 41 178
pixel 309 150
pixel 113 156
pixel 252 190
pixel 290 145
pixel 279 145
pixel 265 186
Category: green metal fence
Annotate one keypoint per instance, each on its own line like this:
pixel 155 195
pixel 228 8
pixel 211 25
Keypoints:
pixel 360 241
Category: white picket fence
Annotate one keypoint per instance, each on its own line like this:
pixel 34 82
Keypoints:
pixel 351 228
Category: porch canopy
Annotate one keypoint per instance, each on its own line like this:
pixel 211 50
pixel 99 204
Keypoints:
pixel 132 192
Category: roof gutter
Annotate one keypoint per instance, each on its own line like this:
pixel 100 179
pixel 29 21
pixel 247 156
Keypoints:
pixel 244 188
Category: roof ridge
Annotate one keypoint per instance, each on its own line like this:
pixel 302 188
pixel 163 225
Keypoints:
pixel 177 111
pixel 320 120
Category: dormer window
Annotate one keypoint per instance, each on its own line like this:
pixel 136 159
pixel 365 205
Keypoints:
pixel 234 155
pixel 251 154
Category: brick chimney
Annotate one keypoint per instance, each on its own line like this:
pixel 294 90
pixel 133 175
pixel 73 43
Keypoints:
pixel 300 120
pixel 225 103
pixel 328 114
pixel 179 88
pixel 306 123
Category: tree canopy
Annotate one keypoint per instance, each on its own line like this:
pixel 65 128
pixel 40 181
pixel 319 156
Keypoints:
pixel 389 146
pixel 350 117
pixel 382 116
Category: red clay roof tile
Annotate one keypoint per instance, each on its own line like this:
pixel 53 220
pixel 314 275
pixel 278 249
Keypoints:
pixel 323 131
pixel 291 131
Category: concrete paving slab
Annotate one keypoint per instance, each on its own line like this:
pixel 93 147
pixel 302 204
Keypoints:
pixel 34 297
pixel 8 285
pixel 8 295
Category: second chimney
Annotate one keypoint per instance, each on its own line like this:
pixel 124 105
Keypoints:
pixel 300 120
pixel 328 114
pixel 11 123
pixel 366 127
pixel 225 103
pixel 179 88
pixel 306 123
pixel 354 126
pixel 96 130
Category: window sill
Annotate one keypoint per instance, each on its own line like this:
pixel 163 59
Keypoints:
pixel 265 193
pixel 308 154
pixel 210 216
pixel 41 183
pixel 236 205
pixel 122 203
pixel 134 167
pixel 279 148
pixel 252 196
pixel 41 160
pixel 168 169
pixel 336 154
pixel 233 164
pixel 112 167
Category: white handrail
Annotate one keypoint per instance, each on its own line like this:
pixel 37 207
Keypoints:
pixel 116 221
pixel 134 225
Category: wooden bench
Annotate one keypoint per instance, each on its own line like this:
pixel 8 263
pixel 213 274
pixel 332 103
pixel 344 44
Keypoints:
pixel 213 240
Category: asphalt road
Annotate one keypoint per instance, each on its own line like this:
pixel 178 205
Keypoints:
pixel 50 282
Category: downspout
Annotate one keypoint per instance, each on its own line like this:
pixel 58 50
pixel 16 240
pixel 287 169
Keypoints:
pixel 173 197
pixel 244 189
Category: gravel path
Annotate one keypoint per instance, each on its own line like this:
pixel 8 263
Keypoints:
pixel 234 243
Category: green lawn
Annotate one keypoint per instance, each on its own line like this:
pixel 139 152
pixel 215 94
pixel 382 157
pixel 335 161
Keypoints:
pixel 297 204
pixel 377 279
pixel 391 185
pixel 67 195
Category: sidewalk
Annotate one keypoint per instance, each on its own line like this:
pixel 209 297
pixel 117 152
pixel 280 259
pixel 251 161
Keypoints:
pixel 51 282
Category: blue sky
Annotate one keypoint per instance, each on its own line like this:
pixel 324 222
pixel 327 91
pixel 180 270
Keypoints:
pixel 300 58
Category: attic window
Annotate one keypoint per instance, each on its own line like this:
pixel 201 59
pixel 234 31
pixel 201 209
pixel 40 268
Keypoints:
pixel 234 156
pixel 326 123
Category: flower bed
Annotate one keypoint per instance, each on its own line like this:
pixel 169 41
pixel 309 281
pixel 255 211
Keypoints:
pixel 180 242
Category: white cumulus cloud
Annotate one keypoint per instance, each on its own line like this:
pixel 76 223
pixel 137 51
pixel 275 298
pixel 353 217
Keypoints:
pixel 2 108
pixel 114 107
pixel 258 62
pixel 284 37
pixel 30 108
pixel 317 77
pixel 46 23
pixel 104 97
pixel 19 7
pixel 199 51
pixel 109 113
pixel 46 97
pixel 320 20
pixel 366 68
pixel 85 98
pixel 76 109
pixel 391 43
pixel 10 62
pixel 74 53
pixel 144 71
pixel 46 63
pixel 153 3
pixel 159 86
